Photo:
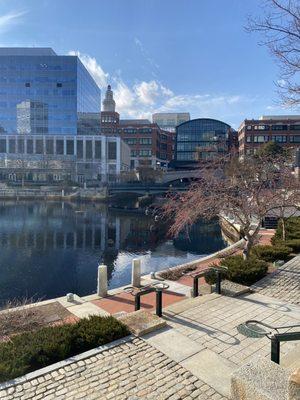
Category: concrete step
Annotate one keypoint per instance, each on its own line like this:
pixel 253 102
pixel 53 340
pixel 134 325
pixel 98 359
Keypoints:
pixel 291 359
pixel 212 369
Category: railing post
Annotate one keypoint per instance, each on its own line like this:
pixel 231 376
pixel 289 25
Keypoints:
pixel 102 281
pixel 159 302
pixel 136 273
pixel 137 302
pixel 195 287
pixel 275 349
pixel 218 283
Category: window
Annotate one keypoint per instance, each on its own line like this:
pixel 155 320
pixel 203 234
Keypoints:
pixel 98 149
pixel 59 84
pixel 39 148
pixel 145 141
pixel 59 146
pixel 112 150
pixel 261 127
pixel 70 147
pixel 279 139
pixel 133 153
pixel 294 127
pixel 249 128
pixel 130 141
pixel 248 139
pixel 295 139
pixel 27 84
pixel 21 146
pixel 49 146
pixel 80 149
pixel 29 146
pixel 260 139
pixel 145 153
pixel 89 149
pixel 2 145
pixel 12 146
pixel 279 127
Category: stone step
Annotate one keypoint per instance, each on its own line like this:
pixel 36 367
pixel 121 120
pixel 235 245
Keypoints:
pixel 185 305
pixel 212 369
pixel 291 359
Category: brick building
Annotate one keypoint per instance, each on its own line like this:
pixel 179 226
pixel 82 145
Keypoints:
pixel 149 144
pixel 282 129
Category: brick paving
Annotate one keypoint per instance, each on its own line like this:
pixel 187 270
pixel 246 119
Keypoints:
pixel 131 371
pixel 283 284
pixel 213 325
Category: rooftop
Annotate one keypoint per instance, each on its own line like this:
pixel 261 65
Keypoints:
pixel 27 51
pixel 135 122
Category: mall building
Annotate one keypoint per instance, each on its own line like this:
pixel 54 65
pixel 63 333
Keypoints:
pixel 50 120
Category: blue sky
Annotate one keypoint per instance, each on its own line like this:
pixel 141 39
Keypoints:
pixel 159 55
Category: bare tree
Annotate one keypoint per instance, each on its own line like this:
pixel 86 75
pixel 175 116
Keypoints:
pixel 242 192
pixel 280 29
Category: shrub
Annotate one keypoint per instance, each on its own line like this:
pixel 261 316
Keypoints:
pixel 272 253
pixel 292 228
pixel 245 272
pixel 30 351
pixel 294 244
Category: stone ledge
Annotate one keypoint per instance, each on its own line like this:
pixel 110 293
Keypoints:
pixel 142 322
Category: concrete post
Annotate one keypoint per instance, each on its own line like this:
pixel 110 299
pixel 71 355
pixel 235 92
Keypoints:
pixel 136 273
pixel 102 281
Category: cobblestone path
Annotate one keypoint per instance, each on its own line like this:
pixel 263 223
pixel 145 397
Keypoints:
pixel 284 284
pixel 131 371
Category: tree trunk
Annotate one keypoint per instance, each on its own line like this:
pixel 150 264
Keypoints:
pixel 283 229
pixel 248 247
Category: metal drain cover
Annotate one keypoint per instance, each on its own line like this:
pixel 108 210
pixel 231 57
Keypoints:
pixel 251 331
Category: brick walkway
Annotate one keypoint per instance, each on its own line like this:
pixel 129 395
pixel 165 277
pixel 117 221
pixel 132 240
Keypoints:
pixel 283 284
pixel 213 324
pixel 131 371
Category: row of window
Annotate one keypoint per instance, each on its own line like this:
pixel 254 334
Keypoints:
pixel 277 127
pixel 141 153
pixel 277 138
pixel 132 141
pixel 135 131
pixel 58 147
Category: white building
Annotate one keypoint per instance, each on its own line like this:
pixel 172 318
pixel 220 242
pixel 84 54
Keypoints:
pixel 56 158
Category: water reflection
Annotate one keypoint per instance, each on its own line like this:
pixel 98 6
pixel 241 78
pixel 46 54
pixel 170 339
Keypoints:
pixel 50 249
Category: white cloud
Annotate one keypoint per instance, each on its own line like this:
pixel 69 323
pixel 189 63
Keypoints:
pixel 9 19
pixel 144 98
pixel 93 67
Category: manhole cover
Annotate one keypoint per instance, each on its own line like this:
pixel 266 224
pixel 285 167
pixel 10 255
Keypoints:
pixel 251 330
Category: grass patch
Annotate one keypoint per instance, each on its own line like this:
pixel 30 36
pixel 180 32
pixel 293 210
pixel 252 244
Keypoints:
pixel 30 351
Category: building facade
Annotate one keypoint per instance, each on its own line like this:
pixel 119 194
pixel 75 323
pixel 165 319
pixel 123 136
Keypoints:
pixel 201 140
pixel 50 120
pixel 282 129
pixel 109 117
pixel 149 145
pixel 169 121
pixel 54 158
pixel 44 93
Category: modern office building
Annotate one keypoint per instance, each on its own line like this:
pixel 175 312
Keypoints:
pixel 43 92
pixel 149 144
pixel 282 129
pixel 201 140
pixel 50 120
pixel 109 117
pixel 169 121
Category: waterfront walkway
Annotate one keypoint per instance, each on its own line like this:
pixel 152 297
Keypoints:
pixel 192 358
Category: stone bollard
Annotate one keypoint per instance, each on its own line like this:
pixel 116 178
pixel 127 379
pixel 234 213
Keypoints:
pixel 102 281
pixel 136 273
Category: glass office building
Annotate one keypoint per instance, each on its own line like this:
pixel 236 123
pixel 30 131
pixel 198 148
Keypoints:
pixel 200 139
pixel 44 93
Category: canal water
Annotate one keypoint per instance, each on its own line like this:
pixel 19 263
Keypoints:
pixel 48 249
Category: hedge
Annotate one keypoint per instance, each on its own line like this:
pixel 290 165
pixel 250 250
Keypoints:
pixel 245 272
pixel 30 351
pixel 272 253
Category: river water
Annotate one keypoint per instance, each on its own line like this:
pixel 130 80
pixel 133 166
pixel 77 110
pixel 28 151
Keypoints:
pixel 48 249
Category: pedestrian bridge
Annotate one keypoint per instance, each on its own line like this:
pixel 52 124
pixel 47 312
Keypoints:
pixel 152 188
pixel 171 176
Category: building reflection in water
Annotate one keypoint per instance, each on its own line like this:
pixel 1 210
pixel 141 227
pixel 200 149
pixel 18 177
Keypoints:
pixel 50 249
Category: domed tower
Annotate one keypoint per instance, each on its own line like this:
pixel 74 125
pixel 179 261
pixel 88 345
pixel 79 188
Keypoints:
pixel 108 103
pixel 109 117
